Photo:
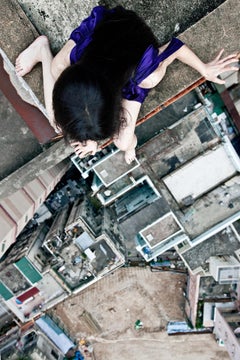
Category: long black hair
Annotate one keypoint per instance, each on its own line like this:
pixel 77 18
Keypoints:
pixel 87 95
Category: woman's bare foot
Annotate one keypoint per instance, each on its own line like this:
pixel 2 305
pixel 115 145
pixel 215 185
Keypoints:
pixel 130 156
pixel 31 56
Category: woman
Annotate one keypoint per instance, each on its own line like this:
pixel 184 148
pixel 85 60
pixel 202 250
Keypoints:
pixel 95 85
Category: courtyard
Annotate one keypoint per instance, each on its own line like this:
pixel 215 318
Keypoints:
pixel 105 314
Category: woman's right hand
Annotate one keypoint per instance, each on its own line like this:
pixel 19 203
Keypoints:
pixel 220 65
pixel 89 147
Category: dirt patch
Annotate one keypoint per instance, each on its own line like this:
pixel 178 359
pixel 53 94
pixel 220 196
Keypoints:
pixel 160 346
pixel 106 313
pixel 117 301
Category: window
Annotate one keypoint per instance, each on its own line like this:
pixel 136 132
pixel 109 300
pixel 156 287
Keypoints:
pixel 54 354
pixel 3 247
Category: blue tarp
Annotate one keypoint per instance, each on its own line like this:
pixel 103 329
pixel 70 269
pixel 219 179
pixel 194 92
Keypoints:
pixel 78 356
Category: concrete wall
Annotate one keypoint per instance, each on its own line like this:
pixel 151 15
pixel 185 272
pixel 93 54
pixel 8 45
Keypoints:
pixel 46 348
pixel 191 303
pixel 224 332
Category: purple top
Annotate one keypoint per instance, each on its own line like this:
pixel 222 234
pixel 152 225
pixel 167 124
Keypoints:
pixel 149 62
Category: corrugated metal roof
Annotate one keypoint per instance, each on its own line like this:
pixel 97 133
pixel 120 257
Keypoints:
pixel 4 292
pixel 55 334
pixel 84 241
pixel 28 270
pixel 28 294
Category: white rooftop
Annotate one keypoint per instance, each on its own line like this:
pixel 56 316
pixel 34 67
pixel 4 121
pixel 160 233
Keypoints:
pixel 201 174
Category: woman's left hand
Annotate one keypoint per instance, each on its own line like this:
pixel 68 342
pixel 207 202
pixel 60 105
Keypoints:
pixel 89 147
pixel 218 66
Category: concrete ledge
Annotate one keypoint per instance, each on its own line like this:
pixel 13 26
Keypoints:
pixel 17 32
pixel 220 29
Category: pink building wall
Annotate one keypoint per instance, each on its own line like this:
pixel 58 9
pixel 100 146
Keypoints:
pixel 224 332
pixel 37 192
pixel 191 303
pixel 20 207
pixel 17 209
pixel 8 230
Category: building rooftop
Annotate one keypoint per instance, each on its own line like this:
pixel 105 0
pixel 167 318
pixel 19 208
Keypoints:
pixel 161 230
pixel 225 242
pixel 138 197
pixel 181 156
pixel 131 226
pixel 200 175
pixel 113 167
pixel 14 280
pixel 211 289
pixel 222 203
pixel 79 264
pixel 181 142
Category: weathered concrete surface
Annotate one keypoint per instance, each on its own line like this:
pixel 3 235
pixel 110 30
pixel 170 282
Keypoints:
pixel 57 18
pixel 219 28
pixel 12 130
pixel 207 37
pixel 17 32
pixel 168 17
pixel 165 17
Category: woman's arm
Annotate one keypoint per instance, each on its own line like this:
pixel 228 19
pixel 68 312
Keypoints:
pixel 210 70
pixel 126 140
pixel 62 60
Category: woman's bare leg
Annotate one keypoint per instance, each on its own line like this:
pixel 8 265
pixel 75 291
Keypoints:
pixel 39 51
pixel 130 154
